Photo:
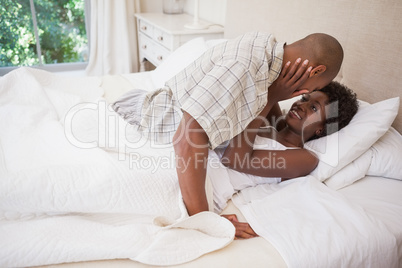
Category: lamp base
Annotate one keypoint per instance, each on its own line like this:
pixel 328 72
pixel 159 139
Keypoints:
pixel 196 25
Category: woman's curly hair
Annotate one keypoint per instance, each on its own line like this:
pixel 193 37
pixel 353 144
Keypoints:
pixel 342 107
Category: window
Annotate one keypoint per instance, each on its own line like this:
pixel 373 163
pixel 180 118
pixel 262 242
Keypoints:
pixel 47 33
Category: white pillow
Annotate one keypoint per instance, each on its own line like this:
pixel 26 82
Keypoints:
pixel 337 150
pixel 382 159
pixel 352 172
pixel 387 156
pixel 178 60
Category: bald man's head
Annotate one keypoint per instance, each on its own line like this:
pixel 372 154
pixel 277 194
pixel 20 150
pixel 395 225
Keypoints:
pixel 323 49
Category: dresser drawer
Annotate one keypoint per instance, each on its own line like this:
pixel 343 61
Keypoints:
pixel 160 34
pixel 151 50
pixel 145 44
pixel 160 54
pixel 163 38
pixel 146 28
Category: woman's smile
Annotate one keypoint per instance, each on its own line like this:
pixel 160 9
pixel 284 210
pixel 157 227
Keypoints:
pixel 295 114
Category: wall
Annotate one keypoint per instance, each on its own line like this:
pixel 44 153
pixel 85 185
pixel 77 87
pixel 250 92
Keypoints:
pixel 211 10
pixel 369 31
pixel 151 5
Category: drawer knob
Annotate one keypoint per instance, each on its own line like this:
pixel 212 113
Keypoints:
pixel 160 38
pixel 160 58
pixel 144 28
pixel 144 47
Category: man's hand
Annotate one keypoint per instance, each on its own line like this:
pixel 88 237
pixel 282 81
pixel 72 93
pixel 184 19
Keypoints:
pixel 243 230
pixel 289 81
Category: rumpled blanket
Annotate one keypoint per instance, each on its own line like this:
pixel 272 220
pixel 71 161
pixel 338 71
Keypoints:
pixel 71 191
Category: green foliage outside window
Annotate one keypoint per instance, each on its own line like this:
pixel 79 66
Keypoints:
pixel 61 29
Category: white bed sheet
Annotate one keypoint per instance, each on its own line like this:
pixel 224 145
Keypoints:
pixel 313 225
pixel 382 198
pixel 263 252
pixel 379 196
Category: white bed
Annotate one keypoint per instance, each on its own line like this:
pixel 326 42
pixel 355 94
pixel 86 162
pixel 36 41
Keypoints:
pixel 66 201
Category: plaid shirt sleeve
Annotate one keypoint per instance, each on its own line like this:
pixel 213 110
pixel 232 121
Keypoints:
pixel 223 100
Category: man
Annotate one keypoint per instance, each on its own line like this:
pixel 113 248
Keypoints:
pixel 217 96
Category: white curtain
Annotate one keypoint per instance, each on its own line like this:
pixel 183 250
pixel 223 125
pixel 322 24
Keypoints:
pixel 112 37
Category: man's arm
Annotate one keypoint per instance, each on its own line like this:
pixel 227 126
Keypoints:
pixel 275 118
pixel 191 148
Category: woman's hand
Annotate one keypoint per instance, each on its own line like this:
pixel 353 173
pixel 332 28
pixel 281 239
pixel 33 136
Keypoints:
pixel 243 229
pixel 289 81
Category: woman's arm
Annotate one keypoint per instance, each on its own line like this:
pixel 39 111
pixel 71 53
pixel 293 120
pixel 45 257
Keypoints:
pixel 241 156
pixel 285 164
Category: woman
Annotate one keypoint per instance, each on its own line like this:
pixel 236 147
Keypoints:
pixel 264 155
pixel 273 155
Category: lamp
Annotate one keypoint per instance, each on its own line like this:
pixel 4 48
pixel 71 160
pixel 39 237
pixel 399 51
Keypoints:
pixel 196 24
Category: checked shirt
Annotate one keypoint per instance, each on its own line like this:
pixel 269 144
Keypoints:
pixel 224 90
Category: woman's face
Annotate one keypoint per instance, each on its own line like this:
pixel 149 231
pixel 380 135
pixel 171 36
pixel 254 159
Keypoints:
pixel 307 116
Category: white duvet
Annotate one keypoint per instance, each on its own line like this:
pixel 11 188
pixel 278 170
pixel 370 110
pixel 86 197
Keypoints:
pixel 312 225
pixel 79 193
pixel 62 203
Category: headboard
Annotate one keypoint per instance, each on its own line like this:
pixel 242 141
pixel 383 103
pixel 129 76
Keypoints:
pixel 370 32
